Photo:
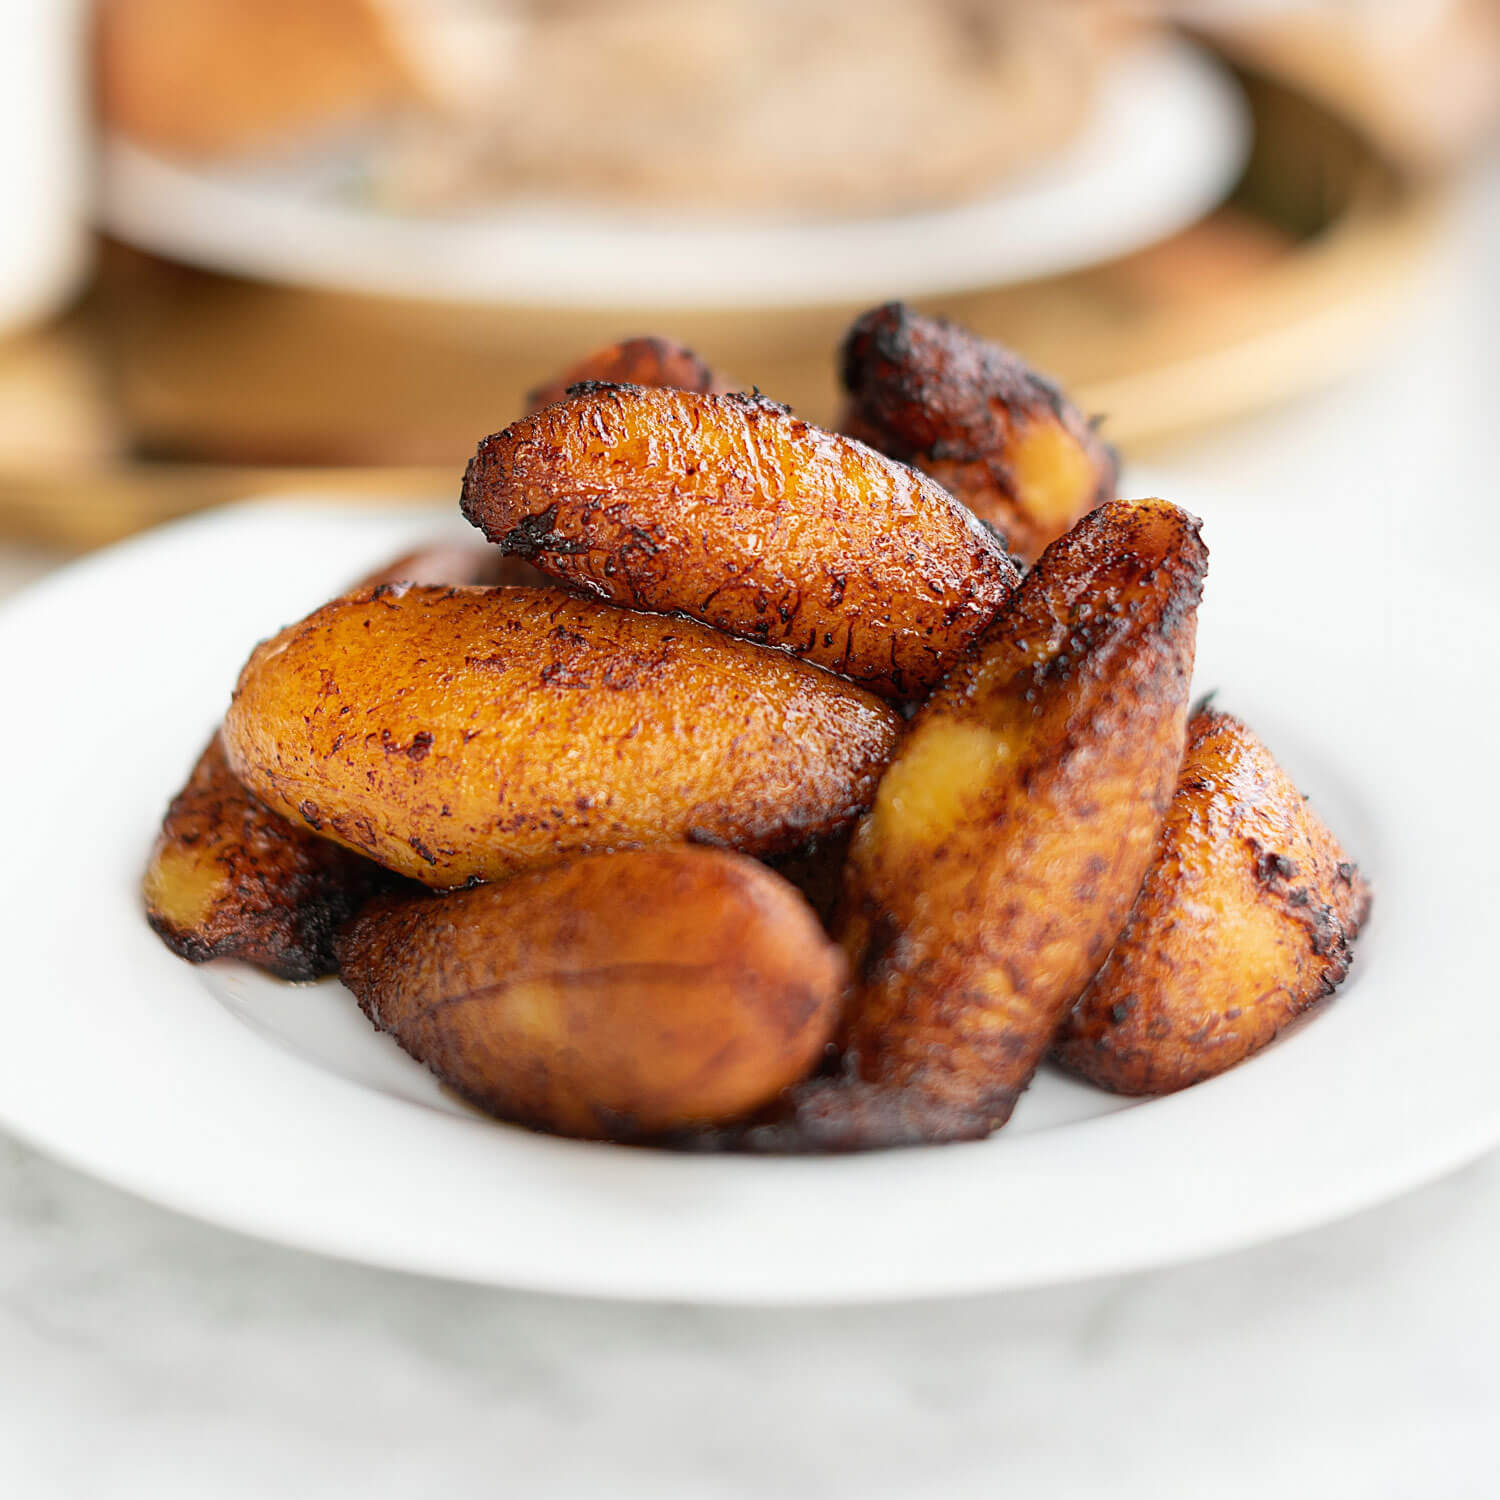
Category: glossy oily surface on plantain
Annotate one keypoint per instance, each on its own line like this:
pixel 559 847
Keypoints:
pixel 228 878
pixel 649 361
pixel 732 511
pixel 986 426
pixel 461 734
pixel 614 997
pixel 1246 919
pixel 1010 834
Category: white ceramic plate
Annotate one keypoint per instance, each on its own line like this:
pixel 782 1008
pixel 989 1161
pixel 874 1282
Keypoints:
pixel 1166 142
pixel 275 1109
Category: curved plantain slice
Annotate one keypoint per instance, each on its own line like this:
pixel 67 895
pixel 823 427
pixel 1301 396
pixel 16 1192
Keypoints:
pixel 228 878
pixel 1010 834
pixel 468 734
pixel 730 510
pixel 649 361
pixel 1245 920
pixel 617 996
pixel 975 417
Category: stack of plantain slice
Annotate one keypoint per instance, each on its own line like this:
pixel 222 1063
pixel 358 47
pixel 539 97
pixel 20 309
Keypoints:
pixel 745 793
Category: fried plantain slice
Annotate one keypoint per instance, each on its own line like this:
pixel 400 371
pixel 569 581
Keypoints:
pixel 469 734
pixel 1245 920
pixel 1009 837
pixel 975 417
pixel 649 361
pixel 730 510
pixel 230 879
pixel 617 996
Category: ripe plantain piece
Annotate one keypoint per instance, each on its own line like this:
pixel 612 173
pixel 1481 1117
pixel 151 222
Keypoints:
pixel 1246 918
pixel 646 361
pixel 463 734
pixel 1003 439
pixel 1010 834
pixel 730 510
pixel 230 879
pixel 619 996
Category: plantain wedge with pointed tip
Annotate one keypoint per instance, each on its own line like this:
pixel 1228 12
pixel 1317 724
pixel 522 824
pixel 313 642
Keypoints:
pixel 228 878
pixel 1245 921
pixel 999 436
pixel 732 511
pixel 1009 837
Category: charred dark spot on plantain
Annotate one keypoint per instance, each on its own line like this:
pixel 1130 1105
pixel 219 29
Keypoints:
pixel 1270 867
pixel 598 387
pixel 535 534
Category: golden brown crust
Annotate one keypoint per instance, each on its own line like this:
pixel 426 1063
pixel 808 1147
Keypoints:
pixel 461 734
pixel 649 361
pixel 228 878
pixel 730 510
pixel 975 417
pixel 1009 837
pixel 1245 920
pixel 614 997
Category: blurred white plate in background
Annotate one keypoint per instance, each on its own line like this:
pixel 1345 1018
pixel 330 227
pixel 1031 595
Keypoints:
pixel 1167 141
pixel 277 1111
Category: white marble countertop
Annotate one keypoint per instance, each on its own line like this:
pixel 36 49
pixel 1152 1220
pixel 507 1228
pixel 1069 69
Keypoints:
pixel 145 1355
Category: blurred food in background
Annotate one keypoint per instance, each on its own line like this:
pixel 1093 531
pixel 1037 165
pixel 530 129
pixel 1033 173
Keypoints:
pixel 808 108
pixel 341 236
pixel 784 107
pixel 285 300
pixel 227 77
